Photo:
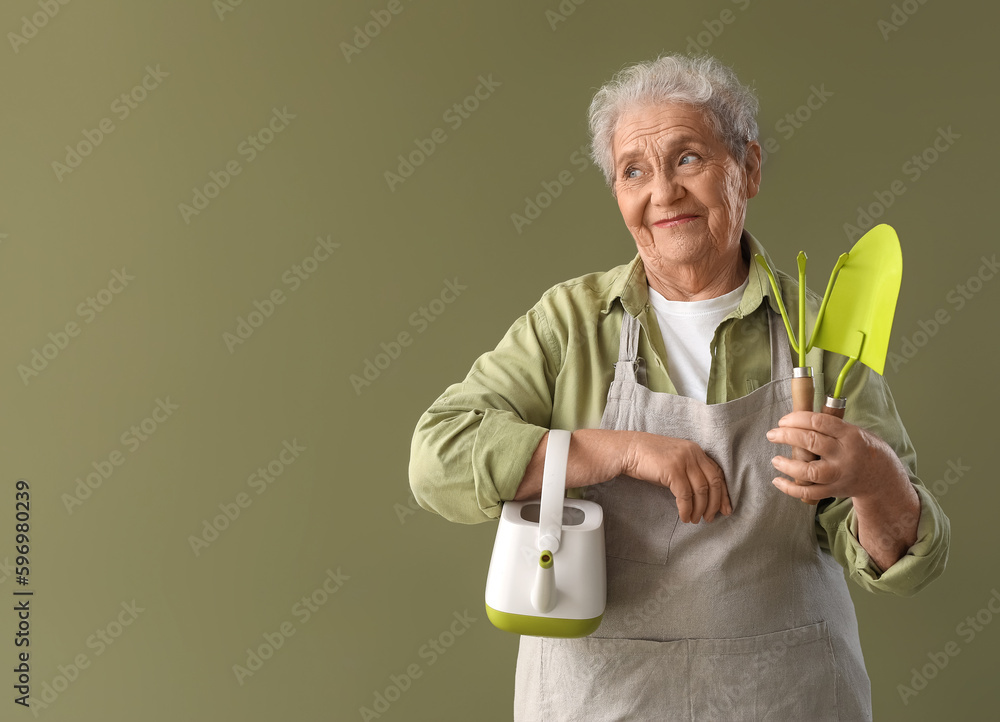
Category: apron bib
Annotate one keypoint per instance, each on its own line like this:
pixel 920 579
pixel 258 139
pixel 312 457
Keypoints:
pixel 745 618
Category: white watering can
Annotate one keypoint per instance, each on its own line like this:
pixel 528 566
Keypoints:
pixel 547 574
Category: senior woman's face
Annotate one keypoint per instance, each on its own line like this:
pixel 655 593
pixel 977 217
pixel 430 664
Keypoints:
pixel 681 194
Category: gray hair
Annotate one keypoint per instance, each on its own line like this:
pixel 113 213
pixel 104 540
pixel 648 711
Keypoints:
pixel 730 108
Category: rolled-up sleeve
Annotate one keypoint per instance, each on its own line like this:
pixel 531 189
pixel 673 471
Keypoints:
pixel 471 447
pixel 870 406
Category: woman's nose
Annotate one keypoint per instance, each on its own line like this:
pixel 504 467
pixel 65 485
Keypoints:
pixel 666 189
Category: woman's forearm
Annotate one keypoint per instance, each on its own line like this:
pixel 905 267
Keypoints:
pixel 595 456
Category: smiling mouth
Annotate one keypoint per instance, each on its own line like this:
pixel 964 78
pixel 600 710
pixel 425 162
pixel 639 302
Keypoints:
pixel 675 220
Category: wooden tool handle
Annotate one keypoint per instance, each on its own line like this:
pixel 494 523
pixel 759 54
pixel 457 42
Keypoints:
pixel 835 406
pixel 802 400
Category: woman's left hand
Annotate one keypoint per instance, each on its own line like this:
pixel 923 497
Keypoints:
pixel 852 462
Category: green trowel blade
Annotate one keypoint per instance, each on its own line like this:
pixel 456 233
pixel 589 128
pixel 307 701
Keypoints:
pixel 863 299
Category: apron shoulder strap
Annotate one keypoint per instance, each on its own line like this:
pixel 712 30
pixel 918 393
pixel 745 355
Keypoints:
pixel 629 366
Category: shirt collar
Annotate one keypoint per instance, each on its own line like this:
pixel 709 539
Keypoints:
pixel 631 286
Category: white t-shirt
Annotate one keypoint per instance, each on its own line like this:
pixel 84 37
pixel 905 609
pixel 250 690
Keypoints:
pixel 688 328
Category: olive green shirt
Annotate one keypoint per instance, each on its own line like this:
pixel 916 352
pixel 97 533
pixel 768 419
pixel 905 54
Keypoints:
pixel 553 370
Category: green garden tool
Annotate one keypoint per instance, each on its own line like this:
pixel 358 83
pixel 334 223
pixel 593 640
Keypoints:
pixel 855 318
pixel 802 375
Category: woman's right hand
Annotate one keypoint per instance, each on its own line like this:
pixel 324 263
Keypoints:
pixel 598 455
pixel 696 481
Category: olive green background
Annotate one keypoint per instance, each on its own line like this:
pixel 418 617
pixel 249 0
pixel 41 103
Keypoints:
pixel 344 504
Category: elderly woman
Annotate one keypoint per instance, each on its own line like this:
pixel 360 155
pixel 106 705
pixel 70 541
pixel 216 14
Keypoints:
pixel 726 593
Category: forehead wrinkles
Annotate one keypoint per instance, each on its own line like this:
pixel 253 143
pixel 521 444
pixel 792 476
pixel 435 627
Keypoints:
pixel 656 136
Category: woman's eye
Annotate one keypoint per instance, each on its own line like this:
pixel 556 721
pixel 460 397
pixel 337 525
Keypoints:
pixel 688 155
pixel 632 173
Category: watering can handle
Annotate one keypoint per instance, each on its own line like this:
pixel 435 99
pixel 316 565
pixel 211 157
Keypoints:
pixel 553 490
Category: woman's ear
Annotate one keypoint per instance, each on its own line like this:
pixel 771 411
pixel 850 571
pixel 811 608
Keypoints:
pixel 752 168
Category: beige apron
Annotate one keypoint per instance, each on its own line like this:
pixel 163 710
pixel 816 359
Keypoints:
pixel 745 618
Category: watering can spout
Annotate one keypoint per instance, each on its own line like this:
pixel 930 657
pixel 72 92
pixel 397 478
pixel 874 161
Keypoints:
pixel 543 593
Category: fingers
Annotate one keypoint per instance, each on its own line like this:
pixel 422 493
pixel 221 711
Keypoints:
pixel 809 438
pixel 701 492
pixel 718 492
pixel 816 492
pixel 804 471
pixel 696 481
pixel 684 496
